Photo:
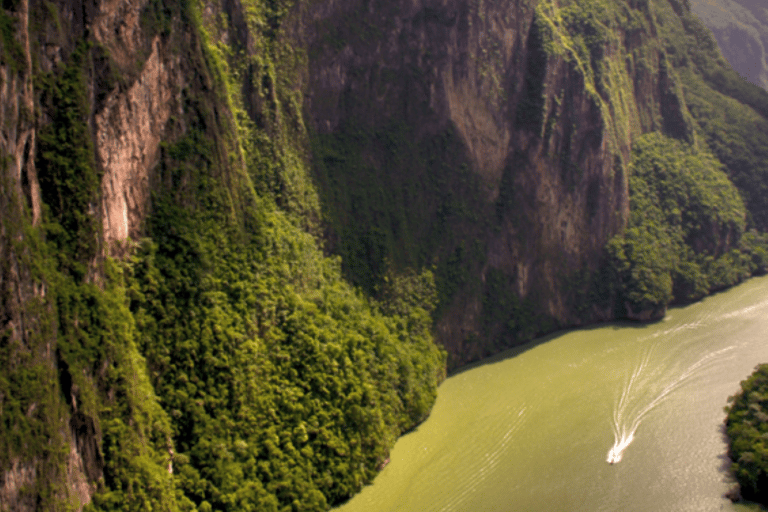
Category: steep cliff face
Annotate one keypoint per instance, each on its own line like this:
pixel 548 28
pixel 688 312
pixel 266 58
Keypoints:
pixel 131 228
pixel 130 127
pixel 66 345
pixel 491 140
pixel 25 318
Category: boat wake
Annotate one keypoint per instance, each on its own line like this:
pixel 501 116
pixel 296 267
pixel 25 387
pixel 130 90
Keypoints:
pixel 487 464
pixel 626 421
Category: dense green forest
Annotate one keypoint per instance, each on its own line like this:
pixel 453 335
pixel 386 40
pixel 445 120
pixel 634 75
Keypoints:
pixel 685 216
pixel 224 364
pixel 746 426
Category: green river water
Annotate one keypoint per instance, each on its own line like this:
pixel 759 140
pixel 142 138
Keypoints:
pixel 532 429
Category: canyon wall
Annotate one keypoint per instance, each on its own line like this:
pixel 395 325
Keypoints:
pixel 185 184
pixel 86 95
pixel 488 140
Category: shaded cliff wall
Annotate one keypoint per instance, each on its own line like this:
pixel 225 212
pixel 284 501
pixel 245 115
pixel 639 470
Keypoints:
pixel 731 114
pixel 489 140
pixel 30 403
pixel 167 165
pixel 25 317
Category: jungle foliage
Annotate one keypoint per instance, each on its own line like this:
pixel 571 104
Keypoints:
pixel 747 429
pixel 224 364
pixel 77 377
pixel 285 387
pixel 685 215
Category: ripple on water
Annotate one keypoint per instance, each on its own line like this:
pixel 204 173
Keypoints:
pixel 473 475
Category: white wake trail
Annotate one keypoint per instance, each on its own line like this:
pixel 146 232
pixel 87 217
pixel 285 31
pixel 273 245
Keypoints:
pixel 622 436
pixel 624 432
pixel 491 460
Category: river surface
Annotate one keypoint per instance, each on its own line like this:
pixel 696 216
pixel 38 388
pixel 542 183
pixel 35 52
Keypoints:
pixel 533 428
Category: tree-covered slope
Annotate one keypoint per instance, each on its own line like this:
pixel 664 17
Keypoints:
pixel 685 217
pixel 741 30
pixel 221 363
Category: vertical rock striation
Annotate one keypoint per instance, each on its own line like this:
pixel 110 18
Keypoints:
pixel 539 101
pixel 130 127
pixel 156 201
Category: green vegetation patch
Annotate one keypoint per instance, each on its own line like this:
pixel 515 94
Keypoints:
pixel 11 51
pixel 68 175
pixel 730 113
pixel 685 232
pixel 285 386
pixel 747 429
pixel 75 379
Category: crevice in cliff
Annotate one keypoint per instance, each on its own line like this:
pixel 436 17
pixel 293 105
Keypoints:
pixel 529 115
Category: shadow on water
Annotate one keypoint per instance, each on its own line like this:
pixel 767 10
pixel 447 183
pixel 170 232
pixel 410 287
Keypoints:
pixel 725 460
pixel 523 347
pixel 615 325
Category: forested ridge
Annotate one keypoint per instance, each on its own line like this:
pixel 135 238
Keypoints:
pixel 274 315
pixel 684 216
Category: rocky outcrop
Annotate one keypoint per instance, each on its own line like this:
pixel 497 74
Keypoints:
pixel 128 119
pixel 19 198
pixel 17 135
pixel 15 479
pixel 131 116
pixel 129 129
pixel 645 315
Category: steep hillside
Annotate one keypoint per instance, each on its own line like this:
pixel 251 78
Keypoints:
pixel 188 189
pixel 492 142
pixel 170 338
pixel 741 30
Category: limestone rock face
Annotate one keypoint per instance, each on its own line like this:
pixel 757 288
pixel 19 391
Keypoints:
pixel 545 134
pixel 17 134
pixel 20 196
pixel 128 118
pixel 130 127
